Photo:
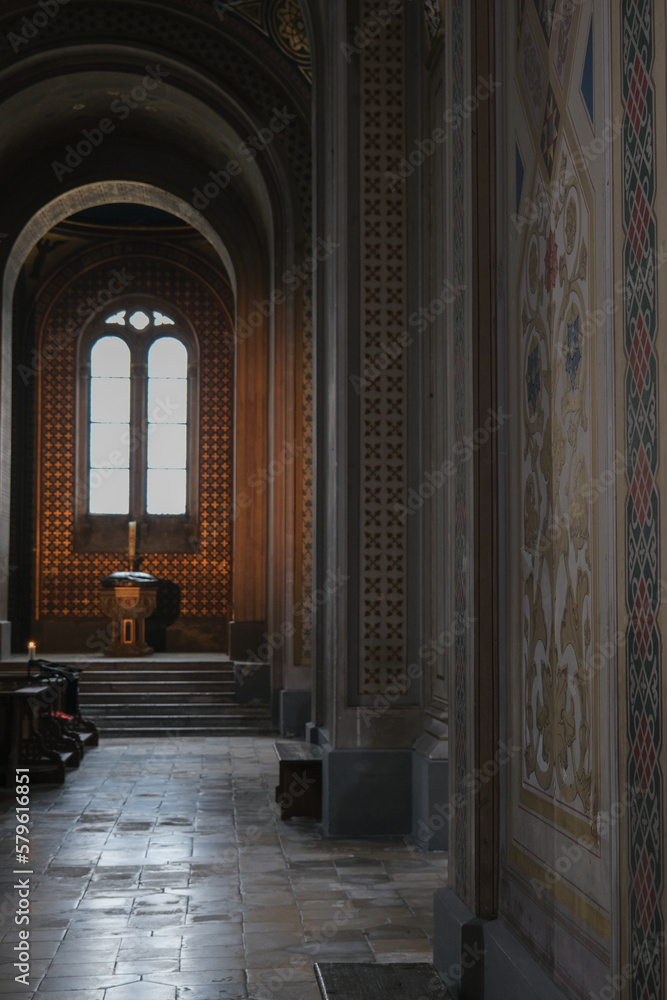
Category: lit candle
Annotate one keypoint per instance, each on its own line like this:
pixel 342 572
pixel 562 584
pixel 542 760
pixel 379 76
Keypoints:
pixel 31 650
pixel 133 539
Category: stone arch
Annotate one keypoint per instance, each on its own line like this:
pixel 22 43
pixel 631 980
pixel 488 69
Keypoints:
pixel 274 218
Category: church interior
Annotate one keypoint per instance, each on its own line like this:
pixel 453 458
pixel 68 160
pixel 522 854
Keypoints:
pixel 330 392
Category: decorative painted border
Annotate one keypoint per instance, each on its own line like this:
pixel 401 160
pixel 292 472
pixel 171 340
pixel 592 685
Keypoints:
pixel 642 512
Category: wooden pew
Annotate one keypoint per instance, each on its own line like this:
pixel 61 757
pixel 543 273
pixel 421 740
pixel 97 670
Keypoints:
pixel 21 741
pixel 40 724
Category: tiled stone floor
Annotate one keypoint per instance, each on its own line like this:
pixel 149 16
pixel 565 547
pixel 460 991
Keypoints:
pixel 163 872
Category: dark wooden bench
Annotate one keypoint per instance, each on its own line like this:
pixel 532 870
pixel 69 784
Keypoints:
pixel 66 680
pixel 40 725
pixel 22 743
pixel 395 981
pixel 299 788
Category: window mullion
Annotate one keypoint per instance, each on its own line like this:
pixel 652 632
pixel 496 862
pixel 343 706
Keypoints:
pixel 139 443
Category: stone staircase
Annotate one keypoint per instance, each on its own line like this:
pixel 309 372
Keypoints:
pixel 166 695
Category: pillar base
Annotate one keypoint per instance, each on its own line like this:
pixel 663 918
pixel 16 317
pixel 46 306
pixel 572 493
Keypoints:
pixel 367 793
pixel 430 794
pixel 480 959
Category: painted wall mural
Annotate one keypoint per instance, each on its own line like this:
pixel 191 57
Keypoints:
pixel 558 622
pixel 563 475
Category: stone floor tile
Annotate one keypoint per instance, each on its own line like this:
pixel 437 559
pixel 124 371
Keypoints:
pixel 71 984
pixel 145 966
pixel 140 991
pixel 229 991
pixel 222 962
pixel 195 977
pixel 401 946
pixel 80 995
pixel 11 990
pixel 163 872
pixel 82 968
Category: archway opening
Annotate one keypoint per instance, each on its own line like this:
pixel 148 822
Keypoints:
pixel 98 272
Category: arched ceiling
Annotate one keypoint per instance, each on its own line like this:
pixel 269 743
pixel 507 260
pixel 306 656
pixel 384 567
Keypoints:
pixel 45 121
pixel 217 75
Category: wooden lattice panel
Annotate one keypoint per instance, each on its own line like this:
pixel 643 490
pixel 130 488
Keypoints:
pixel 383 438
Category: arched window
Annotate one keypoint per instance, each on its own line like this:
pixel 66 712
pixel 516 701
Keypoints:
pixel 137 440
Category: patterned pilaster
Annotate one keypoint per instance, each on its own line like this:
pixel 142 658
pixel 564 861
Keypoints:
pixel 461 489
pixel 383 417
pixel 642 524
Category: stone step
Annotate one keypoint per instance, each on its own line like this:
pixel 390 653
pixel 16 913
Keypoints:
pixel 104 697
pixel 147 666
pixel 96 709
pixel 113 732
pixel 138 725
pixel 155 676
pixel 134 683
pixel 163 697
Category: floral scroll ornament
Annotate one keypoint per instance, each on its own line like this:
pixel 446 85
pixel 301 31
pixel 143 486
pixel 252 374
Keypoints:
pixel 551 261
pixel 533 378
pixel 433 16
pixel 573 359
pixel 292 27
